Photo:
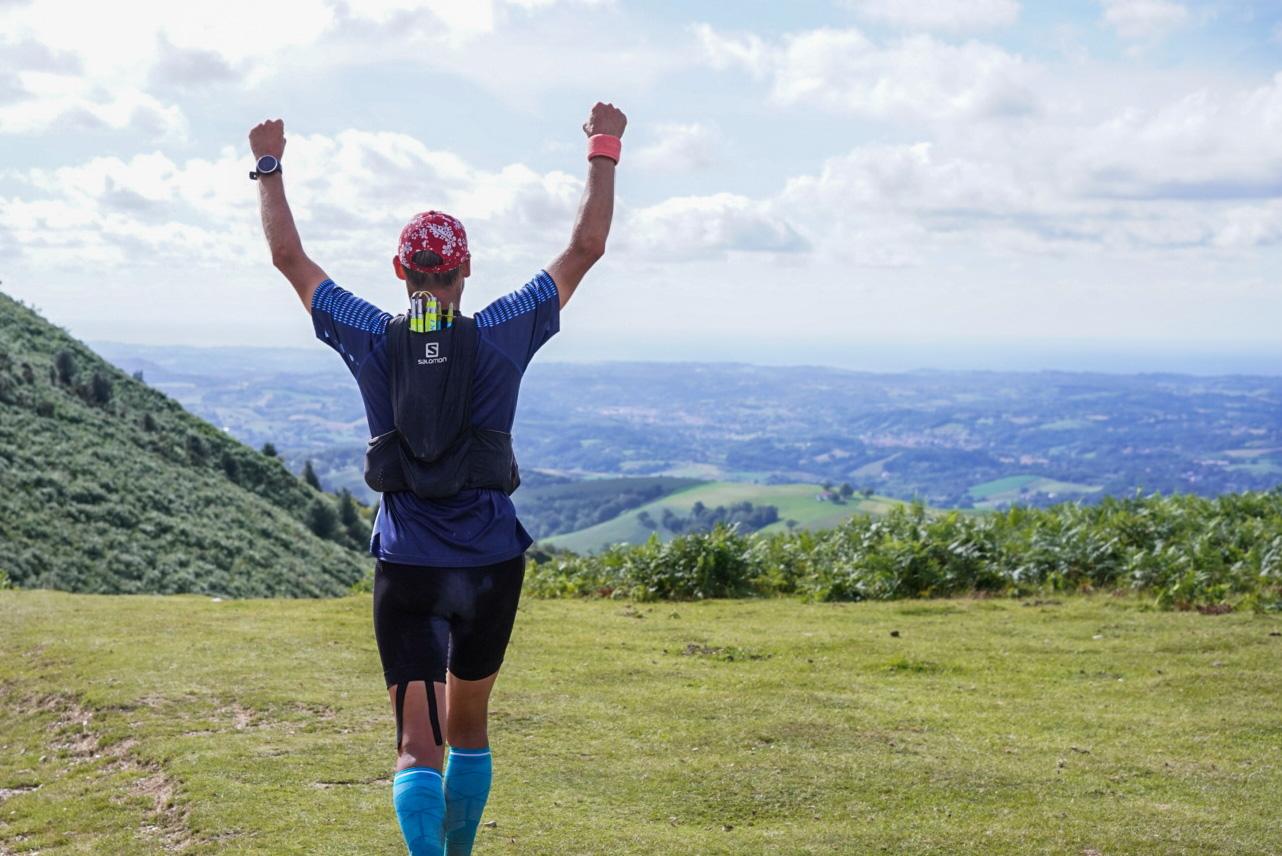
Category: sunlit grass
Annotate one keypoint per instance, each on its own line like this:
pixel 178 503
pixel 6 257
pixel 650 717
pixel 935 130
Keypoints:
pixel 152 725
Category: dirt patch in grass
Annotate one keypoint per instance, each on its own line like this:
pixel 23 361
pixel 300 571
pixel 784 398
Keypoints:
pixel 909 665
pixel 727 653
pixel 5 793
pixel 71 732
pixel 376 781
pixel 241 716
pixel 74 734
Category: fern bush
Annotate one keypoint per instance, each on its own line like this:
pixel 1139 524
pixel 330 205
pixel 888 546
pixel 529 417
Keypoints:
pixel 1186 551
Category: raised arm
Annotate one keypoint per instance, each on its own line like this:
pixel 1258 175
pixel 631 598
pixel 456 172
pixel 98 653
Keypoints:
pixel 592 227
pixel 268 138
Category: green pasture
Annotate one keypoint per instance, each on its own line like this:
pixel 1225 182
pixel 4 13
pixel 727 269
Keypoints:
pixel 794 501
pixel 150 725
pixel 1013 489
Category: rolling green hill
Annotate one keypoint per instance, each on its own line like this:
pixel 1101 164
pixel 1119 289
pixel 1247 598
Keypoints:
pixel 107 485
pixel 795 502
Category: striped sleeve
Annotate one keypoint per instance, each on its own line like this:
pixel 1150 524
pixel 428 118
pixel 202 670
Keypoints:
pixel 349 325
pixel 518 324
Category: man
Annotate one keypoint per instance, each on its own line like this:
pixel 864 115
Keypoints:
pixel 450 551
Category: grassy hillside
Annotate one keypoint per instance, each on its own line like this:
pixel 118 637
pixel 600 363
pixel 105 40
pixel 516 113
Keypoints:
pixel 1070 726
pixel 107 485
pixel 794 501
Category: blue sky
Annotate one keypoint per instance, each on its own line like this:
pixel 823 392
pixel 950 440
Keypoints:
pixel 802 182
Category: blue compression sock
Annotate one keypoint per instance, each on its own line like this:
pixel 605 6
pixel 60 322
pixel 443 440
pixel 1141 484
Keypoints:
pixel 419 798
pixel 467 787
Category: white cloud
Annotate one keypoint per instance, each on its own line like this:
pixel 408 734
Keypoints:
pixel 700 227
pixel 1209 144
pixel 1181 176
pixel 1250 226
pixel 1144 19
pixel 917 77
pixel 722 51
pixel 114 56
pixel 912 177
pixel 967 167
pixel 69 104
pixel 112 50
pixel 120 41
pixel 460 18
pixel 679 147
pixel 189 68
pixel 351 193
pixel 941 15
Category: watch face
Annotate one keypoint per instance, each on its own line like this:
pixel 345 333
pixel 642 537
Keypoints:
pixel 267 164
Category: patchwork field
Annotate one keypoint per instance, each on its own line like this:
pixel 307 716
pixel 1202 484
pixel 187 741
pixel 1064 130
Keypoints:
pixel 150 725
pixel 1013 489
pixel 795 502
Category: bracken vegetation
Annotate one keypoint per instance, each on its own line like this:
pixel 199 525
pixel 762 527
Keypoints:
pixel 107 485
pixel 1186 551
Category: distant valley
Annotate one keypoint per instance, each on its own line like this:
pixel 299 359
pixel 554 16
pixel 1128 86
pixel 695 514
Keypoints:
pixel 952 439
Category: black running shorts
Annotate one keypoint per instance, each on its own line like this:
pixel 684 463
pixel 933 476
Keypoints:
pixel 429 619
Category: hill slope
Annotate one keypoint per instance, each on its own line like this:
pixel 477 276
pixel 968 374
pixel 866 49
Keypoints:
pixel 107 485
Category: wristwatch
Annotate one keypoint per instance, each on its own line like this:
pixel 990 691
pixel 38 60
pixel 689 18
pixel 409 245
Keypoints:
pixel 266 166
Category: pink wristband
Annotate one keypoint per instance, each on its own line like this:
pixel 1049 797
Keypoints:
pixel 604 146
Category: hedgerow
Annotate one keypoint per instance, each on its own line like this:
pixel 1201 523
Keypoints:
pixel 1185 551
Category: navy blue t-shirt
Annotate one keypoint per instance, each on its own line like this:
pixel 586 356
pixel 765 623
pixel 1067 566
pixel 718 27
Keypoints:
pixel 476 527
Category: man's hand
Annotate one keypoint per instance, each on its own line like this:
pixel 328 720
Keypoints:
pixel 605 119
pixel 592 227
pixel 268 138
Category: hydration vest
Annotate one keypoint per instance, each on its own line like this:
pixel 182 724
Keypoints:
pixel 434 449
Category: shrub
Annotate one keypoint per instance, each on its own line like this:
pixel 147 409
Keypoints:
pixel 231 466
pixel 322 519
pixel 65 364
pixel 349 518
pixel 1186 551
pixel 197 450
pixel 101 388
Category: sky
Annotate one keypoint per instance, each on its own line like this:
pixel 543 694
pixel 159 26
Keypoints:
pixel 802 182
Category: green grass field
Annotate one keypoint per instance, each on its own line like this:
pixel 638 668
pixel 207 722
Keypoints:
pixel 148 725
pixel 1013 488
pixel 794 501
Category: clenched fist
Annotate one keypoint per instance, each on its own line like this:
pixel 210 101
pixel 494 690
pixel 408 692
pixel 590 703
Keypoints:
pixel 268 138
pixel 605 119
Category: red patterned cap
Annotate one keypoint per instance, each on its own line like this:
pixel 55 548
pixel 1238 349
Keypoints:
pixel 438 232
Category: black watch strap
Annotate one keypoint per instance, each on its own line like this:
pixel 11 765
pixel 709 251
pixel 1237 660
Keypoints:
pixel 274 169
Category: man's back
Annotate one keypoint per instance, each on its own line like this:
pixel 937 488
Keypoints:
pixel 476 527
